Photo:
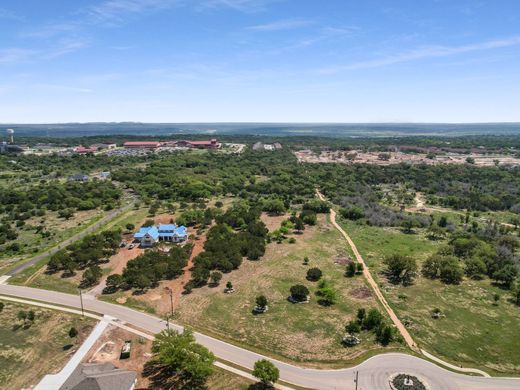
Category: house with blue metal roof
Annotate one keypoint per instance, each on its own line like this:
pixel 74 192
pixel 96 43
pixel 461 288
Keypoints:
pixel 149 235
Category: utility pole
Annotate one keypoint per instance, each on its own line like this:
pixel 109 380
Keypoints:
pixel 357 379
pixel 171 307
pixel 81 300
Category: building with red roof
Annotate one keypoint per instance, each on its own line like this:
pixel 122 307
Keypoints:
pixel 85 149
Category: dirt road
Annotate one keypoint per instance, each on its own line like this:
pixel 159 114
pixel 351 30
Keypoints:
pixel 366 272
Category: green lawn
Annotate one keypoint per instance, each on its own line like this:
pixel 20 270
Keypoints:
pixel 28 353
pixel 308 333
pixel 473 331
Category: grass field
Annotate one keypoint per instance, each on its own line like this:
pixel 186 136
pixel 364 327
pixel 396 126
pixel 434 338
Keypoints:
pixel 26 355
pixel 473 332
pixel 308 333
pixel 225 380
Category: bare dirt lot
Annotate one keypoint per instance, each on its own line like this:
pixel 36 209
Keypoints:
pixel 108 348
pixel 360 157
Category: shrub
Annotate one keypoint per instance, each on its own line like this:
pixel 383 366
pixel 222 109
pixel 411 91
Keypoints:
pixel 400 269
pixel 314 274
pixel 351 270
pixel 261 301
pixel 299 292
pixel 373 319
pixel 353 327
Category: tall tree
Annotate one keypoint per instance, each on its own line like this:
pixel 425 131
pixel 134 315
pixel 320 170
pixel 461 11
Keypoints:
pixel 179 362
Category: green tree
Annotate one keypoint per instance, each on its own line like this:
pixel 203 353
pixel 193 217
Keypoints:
pixel 327 293
pixel 400 269
pixel 130 226
pixel 114 281
pixel 353 327
pixel 73 332
pixel 384 334
pixel 506 275
pixel 266 372
pixel 351 269
pixel 373 319
pixel 361 315
pixel 352 213
pixel 314 274
pixel 215 277
pixel 179 362
pixel 91 276
pixel 261 302
pixel 516 293
pixel 1 307
pixel 299 293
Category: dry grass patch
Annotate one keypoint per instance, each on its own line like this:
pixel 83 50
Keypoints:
pixel 28 353
pixel 308 333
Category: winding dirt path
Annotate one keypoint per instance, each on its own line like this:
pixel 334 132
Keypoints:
pixel 366 272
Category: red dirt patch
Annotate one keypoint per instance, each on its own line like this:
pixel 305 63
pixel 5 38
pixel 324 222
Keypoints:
pixel 361 293
pixel 343 260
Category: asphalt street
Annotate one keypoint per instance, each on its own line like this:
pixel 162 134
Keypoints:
pixel 373 373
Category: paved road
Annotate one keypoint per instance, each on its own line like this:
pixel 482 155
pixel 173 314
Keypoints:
pixel 103 221
pixel 373 373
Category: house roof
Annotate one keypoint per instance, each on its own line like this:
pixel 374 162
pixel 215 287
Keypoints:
pixel 150 230
pixel 167 227
pixel 85 149
pixel 99 376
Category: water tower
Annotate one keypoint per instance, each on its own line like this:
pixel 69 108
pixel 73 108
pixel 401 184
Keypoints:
pixel 10 134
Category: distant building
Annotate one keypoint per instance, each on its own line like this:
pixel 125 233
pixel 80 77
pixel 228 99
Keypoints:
pixel 277 145
pixel 85 149
pixel 10 148
pixel 104 146
pixel 78 177
pixel 149 235
pixel 211 144
pixel 104 175
pixel 141 145
pixel 100 376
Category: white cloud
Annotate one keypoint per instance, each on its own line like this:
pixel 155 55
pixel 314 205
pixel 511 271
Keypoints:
pixel 246 6
pixel 426 52
pixel 287 24
pixel 15 55
pixel 115 10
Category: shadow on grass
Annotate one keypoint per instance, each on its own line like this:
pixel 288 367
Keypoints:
pixel 165 377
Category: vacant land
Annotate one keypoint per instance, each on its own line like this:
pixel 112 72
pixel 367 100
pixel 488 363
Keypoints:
pixel 472 331
pixel 308 333
pixel 387 158
pixel 29 350
pixel 41 233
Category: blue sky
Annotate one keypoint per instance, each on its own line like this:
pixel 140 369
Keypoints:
pixel 259 60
